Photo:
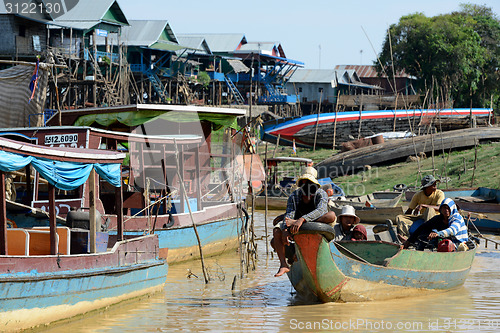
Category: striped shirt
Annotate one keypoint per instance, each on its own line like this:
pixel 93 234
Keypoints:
pixel 320 201
pixel 456 224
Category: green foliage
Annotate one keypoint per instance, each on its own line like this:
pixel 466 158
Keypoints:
pixel 457 52
pixel 204 79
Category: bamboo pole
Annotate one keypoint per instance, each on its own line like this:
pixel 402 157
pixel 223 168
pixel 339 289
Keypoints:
pixel 317 120
pixel 183 190
pixel 3 215
pixel 266 203
pixel 277 145
pixel 335 123
pixel 360 116
pixel 93 211
pixel 475 162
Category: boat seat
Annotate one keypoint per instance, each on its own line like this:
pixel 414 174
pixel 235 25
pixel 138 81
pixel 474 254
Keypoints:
pixel 39 242
pixel 63 234
pixel 17 242
pixel 386 232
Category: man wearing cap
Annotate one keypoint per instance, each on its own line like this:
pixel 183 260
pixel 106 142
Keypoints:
pixel 347 221
pixel 307 203
pixel 423 206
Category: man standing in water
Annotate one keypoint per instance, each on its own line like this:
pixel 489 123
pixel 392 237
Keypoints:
pixel 308 203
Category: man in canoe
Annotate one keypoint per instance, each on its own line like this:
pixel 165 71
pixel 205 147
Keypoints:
pixel 448 224
pixel 308 203
pixel 423 206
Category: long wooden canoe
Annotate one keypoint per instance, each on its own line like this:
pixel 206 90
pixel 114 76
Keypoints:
pixel 371 270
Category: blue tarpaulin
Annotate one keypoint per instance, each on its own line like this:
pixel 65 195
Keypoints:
pixel 63 175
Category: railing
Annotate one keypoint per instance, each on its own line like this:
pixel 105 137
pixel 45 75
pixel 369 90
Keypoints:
pixel 114 57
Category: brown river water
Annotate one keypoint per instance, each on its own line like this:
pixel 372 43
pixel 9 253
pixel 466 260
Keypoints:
pixel 263 303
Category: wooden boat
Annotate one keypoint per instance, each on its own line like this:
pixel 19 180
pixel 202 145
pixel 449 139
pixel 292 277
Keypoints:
pixel 153 170
pixel 280 187
pixel 370 270
pixel 396 150
pixel 320 129
pixel 379 199
pixel 54 272
pixel 480 206
pixel 382 206
pixel 372 215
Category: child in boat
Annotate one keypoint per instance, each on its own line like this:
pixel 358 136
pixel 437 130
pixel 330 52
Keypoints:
pixel 308 203
pixel 449 223
pixel 347 219
pixel 359 233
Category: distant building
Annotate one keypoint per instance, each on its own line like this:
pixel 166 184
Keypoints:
pixel 315 85
pixel 368 74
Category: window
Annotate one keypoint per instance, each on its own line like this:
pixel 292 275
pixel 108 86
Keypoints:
pixel 320 90
pixel 300 89
pixel 22 31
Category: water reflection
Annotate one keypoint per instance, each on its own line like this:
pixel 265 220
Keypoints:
pixel 262 303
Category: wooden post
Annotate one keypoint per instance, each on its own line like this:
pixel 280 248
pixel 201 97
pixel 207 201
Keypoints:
pixel 52 219
pixel 182 200
pixel 198 179
pixel 3 215
pixel 94 36
pixel 317 121
pixel 277 145
pixel 93 212
pixel 119 211
pixel 29 189
pixel 335 124
pixel 265 192
pixel 476 141
pixel 183 192
pixel 360 116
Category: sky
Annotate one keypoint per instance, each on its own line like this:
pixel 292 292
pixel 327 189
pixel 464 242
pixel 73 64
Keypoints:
pixel 320 33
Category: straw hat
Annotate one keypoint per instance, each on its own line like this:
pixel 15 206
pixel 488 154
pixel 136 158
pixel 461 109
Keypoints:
pixel 349 211
pixel 309 177
pixel 310 170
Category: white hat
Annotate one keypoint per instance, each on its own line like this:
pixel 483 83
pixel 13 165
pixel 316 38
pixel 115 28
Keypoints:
pixel 349 211
pixel 310 170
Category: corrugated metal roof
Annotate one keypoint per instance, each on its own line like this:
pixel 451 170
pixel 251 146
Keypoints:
pixel 343 77
pixel 143 32
pixel 238 66
pixel 195 42
pixel 367 71
pixel 222 42
pixel 269 48
pixel 86 12
pixel 313 75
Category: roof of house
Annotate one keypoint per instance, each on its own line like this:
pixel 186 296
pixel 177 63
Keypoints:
pixel 148 32
pixel 313 76
pixel 368 71
pixel 330 76
pixel 197 43
pixel 269 48
pixel 228 42
pixel 88 13
pixel 154 34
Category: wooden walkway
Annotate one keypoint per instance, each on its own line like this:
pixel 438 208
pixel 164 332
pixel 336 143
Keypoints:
pixel 390 151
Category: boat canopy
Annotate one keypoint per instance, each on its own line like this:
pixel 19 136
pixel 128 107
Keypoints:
pixel 60 166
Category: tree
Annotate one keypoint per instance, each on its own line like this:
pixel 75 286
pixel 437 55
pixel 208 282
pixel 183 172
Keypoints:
pixel 455 55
